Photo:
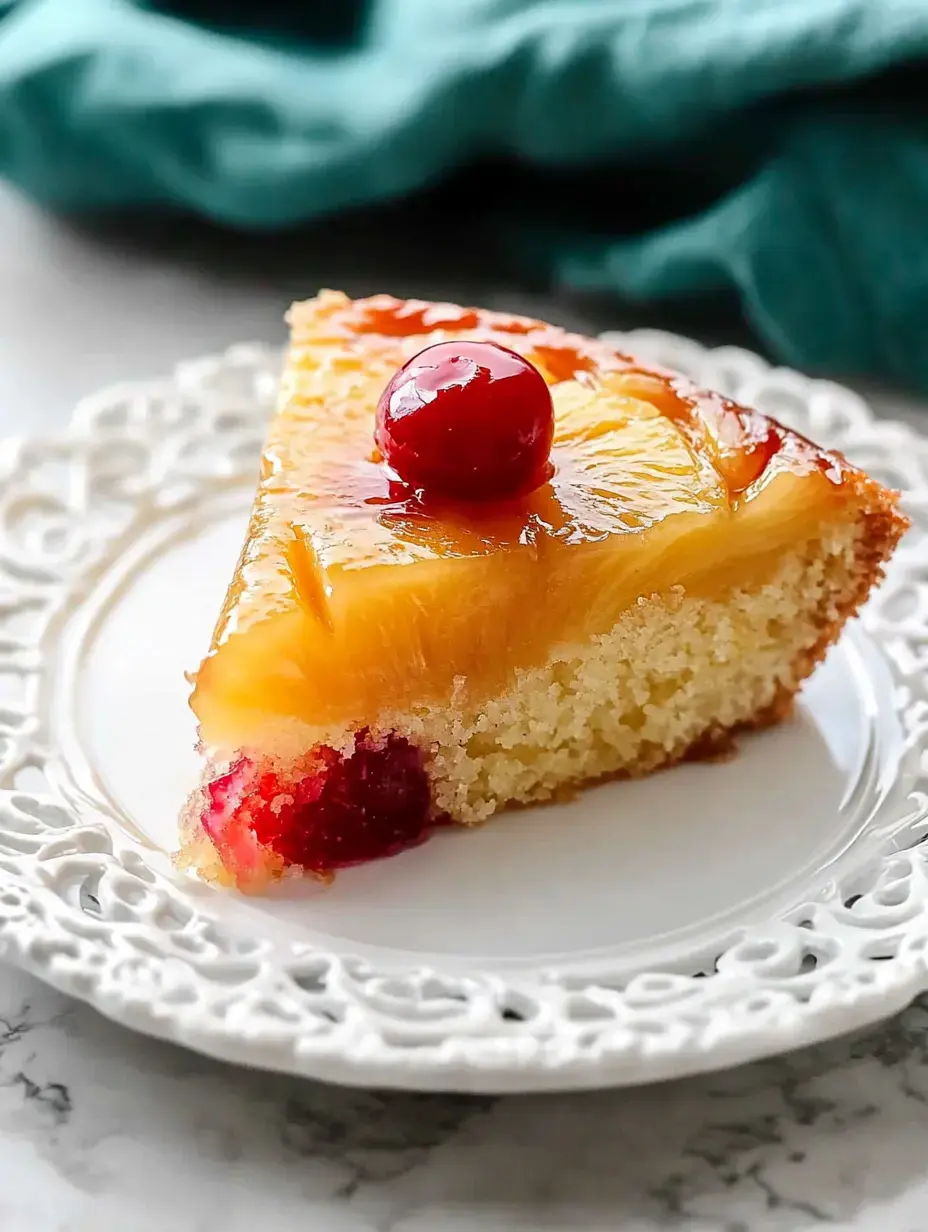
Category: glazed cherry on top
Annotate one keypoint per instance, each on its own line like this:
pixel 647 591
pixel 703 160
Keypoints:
pixel 467 421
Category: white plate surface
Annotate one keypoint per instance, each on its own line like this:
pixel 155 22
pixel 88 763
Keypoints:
pixel 704 916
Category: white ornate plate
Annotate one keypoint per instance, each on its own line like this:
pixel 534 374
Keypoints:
pixel 709 915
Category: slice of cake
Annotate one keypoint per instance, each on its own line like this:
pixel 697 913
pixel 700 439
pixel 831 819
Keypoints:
pixel 490 561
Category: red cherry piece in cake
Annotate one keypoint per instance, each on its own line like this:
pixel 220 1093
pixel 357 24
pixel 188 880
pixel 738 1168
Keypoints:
pixel 345 810
pixel 467 421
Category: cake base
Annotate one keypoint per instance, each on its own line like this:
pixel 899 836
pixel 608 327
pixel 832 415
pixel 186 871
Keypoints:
pixel 676 678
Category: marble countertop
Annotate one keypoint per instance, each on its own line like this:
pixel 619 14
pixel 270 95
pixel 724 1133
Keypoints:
pixel 104 1131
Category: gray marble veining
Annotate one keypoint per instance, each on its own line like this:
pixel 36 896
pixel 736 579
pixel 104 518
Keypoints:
pixel 103 1130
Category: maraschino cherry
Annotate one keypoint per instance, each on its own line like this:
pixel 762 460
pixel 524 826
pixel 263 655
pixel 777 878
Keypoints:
pixel 467 421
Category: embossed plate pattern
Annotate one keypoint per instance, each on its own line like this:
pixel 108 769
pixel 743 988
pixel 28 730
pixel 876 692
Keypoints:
pixel 753 922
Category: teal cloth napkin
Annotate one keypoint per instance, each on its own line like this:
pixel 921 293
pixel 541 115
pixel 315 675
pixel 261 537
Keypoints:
pixel 774 148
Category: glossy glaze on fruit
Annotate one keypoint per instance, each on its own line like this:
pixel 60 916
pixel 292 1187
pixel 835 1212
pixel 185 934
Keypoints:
pixel 467 421
pixel 354 592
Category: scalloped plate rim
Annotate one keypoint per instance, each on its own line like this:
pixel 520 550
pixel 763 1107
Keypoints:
pixel 35 919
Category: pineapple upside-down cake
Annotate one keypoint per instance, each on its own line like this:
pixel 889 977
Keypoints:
pixel 490 561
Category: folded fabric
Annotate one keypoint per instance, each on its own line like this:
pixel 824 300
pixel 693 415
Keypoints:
pixel 775 148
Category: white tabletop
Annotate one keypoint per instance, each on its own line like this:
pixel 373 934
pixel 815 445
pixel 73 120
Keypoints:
pixel 104 1131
